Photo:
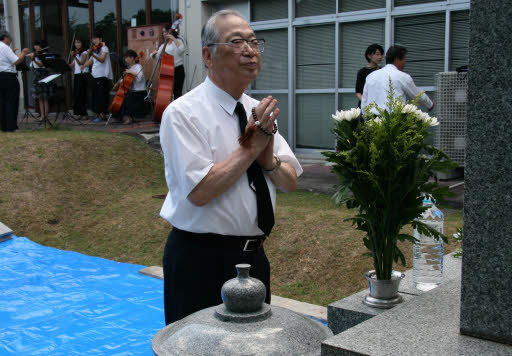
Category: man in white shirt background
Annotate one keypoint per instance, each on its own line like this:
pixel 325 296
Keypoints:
pixel 377 83
pixel 222 194
pixel 9 85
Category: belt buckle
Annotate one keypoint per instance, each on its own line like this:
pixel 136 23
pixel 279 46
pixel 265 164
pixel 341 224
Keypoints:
pixel 247 244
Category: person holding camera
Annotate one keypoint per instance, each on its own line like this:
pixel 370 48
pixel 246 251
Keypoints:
pixel 175 47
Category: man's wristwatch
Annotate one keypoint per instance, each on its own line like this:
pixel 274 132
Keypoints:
pixel 273 169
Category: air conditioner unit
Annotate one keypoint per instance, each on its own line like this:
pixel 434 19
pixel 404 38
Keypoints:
pixel 451 111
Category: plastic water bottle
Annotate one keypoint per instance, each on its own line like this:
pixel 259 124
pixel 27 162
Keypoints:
pixel 427 252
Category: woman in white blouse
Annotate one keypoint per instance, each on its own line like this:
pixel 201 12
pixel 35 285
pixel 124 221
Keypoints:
pixel 176 48
pixel 79 57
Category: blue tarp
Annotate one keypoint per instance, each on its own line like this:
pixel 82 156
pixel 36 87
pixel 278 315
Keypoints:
pixel 55 302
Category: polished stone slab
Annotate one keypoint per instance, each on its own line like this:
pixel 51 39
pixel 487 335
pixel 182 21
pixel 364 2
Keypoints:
pixel 486 309
pixel 350 311
pixel 427 325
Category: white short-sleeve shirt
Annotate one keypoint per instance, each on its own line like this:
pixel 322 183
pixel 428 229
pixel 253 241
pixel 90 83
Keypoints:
pixel 139 83
pixel 7 59
pixel 102 69
pixel 82 57
pixel 377 86
pixel 198 130
pixel 177 51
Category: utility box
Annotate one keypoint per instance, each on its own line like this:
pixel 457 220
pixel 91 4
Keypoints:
pixel 451 109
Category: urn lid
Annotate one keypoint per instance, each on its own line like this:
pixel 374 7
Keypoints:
pixel 243 324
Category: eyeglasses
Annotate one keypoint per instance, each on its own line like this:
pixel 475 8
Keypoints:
pixel 239 44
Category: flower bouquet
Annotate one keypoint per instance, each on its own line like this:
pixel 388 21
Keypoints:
pixel 384 167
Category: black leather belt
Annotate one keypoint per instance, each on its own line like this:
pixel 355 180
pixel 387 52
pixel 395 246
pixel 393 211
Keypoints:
pixel 243 243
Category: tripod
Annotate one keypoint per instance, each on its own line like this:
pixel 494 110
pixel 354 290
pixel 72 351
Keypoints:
pixel 59 66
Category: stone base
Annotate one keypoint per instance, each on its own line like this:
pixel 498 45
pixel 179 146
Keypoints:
pixel 426 325
pixel 350 311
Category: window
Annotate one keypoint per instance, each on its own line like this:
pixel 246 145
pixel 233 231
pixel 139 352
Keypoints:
pixel 315 57
pixel 459 39
pixel 79 23
pixel 314 122
pixel 161 12
pixel 105 22
pixel 424 38
pixel 274 68
pixel 354 38
pixel 357 5
pixel 263 10
pixel 131 9
pixel 314 7
pixel 347 101
pixel 413 2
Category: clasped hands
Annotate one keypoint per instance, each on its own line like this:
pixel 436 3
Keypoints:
pixel 257 138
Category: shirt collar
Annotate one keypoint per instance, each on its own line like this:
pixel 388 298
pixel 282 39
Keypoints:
pixel 225 100
pixel 391 66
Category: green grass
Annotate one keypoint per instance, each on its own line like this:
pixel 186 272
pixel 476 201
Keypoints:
pixel 92 192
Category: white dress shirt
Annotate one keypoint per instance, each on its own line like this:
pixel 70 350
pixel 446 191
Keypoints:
pixel 82 58
pixel 377 87
pixel 102 69
pixel 139 83
pixel 198 130
pixel 176 51
pixel 7 59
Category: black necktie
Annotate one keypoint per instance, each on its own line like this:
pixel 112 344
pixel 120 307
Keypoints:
pixel 257 180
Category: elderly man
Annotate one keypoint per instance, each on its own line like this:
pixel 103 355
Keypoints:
pixel 9 85
pixel 221 194
pixel 377 83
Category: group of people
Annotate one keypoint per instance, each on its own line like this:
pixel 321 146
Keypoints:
pixel 86 63
pixel 372 84
pixel 222 192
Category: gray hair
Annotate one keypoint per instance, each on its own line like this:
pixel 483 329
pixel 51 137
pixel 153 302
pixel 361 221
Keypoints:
pixel 4 34
pixel 210 34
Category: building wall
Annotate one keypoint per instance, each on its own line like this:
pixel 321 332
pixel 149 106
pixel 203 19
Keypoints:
pixel 315 48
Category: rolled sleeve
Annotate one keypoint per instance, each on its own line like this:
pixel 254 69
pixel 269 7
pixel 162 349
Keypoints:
pixel 285 154
pixel 411 90
pixel 12 57
pixel 188 157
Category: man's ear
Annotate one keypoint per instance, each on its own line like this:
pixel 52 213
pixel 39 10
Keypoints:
pixel 207 56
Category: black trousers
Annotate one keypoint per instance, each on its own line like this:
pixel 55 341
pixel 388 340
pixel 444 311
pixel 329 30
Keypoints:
pixel 9 101
pixel 80 94
pixel 101 95
pixel 179 79
pixel 195 268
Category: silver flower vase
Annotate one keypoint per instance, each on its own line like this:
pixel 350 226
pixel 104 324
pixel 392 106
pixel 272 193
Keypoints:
pixel 383 293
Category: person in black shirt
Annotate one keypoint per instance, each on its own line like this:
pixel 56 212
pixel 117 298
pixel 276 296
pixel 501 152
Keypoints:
pixel 373 55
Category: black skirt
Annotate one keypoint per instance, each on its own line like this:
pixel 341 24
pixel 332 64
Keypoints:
pixel 133 104
pixel 42 90
pixel 80 94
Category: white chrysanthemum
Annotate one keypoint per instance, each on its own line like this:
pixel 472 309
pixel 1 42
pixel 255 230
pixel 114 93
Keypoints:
pixel 347 115
pixel 409 108
pixel 377 120
pixel 433 121
pixel 423 116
